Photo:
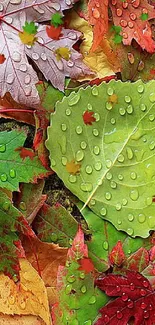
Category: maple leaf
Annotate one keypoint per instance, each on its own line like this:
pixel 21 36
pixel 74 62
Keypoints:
pixel 136 298
pixel 88 117
pixel 73 167
pixel 24 153
pixel 54 32
pixel 2 58
pixel 56 20
pixel 117 255
pixel 17 75
pixel 129 15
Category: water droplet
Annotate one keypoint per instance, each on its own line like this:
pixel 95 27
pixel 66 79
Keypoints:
pixel 118 206
pixel 4 177
pixel 98 165
pixel 79 155
pixel 75 321
pixel 10 78
pixel 141 218
pixel 151 117
pixel 108 163
pixel 152 97
pixel 127 99
pixel 83 289
pixel 108 176
pixel 118 289
pixel 92 202
pixel 125 4
pixel 134 195
pixel 103 211
pixel 119 222
pixel 140 89
pixel 89 169
pixel 11 300
pixel 106 319
pixel 2 147
pixel 64 161
pixel 95 132
pixel 124 296
pixel 97 117
pixel 1 7
pixel 27 79
pixel 130 303
pixel 129 109
pixel 105 245
pixel 94 91
pixel 146 314
pixel 150 307
pixel 53 162
pixel 82 275
pixel 108 106
pixel 6 206
pixel 96 150
pixel 68 289
pixel 143 107
pixel 22 206
pixel 113 121
pixel 152 145
pixel 71 278
pixel 120 177
pixel 12 173
pixel 70 63
pixel 43 56
pixel 130 231
pixel 79 129
pixel 108 196
pixel 123 23
pixel 68 112
pixel 132 286
pixel 142 292
pixel 63 127
pixel 122 111
pixel 23 304
pixel 143 305
pixel 72 178
pixel 35 56
pixel 119 314
pixel 73 99
pixel 120 158
pixel 130 217
pixel 89 107
pixel 130 24
pixel 131 58
pixel 113 184
pixel 16 56
pixel 151 221
pixel 133 16
pixel 53 237
pixel 99 181
pixel 149 201
pixel 92 300
pixel 83 145
pixel 110 91
pixel 124 202
pixel 133 175
pixel 141 66
pixel 145 284
pixel 86 187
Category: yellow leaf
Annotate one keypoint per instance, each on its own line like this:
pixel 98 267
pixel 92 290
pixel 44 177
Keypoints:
pixel 29 297
pixel 20 320
pixel 63 53
pixel 103 61
pixel 26 38
pixel 113 99
pixel 72 167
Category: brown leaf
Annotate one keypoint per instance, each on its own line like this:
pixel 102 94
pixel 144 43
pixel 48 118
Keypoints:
pixel 20 320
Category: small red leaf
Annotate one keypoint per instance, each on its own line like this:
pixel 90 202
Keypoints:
pixel 24 153
pixel 138 260
pixel 2 58
pixel 54 32
pixel 117 255
pixel 88 117
pixel 86 265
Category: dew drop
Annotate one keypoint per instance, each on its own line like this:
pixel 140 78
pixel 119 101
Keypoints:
pixel 142 292
pixel 64 161
pixel 88 322
pixel 141 218
pixel 95 132
pixel 119 314
pixel 79 155
pixel 118 206
pixel 86 187
pixel 125 4
pixel 71 279
pixel 148 201
pixel 98 165
pixel 89 169
pixel 16 56
pixel 79 129
pixel 143 107
pixel 108 163
pixel 92 300
pixel 72 35
pixel 92 202
pixel 131 58
pixel 152 145
pixel 133 175
pixel 132 287
pixel 12 173
pixel 70 63
pixel 108 196
pixel 120 158
pixel 124 296
pixel 83 289
pixel 63 127
pixel 123 23
pixel 23 304
pixel 130 303
pixel 130 231
pixel 108 106
pixel 113 184
pixel 27 79
pixel 53 237
pixel 129 109
pixel 1 7
pixel 129 153
pixel 143 305
pixel 105 245
pixel 6 206
pixel 73 99
pixel 95 91
pixel 35 56
pixel 96 150
pixel 11 300
pixel 134 195
pixel 122 111
pixel 145 284
pixel 103 212
pixel 113 121
pixel 119 222
pixel 2 147
pixel 151 221
pixel 120 177
pixel 10 78
pixel 127 99
pixel 108 176
pixel 152 97
pixel 110 91
pixel 22 206
pixel 146 314
pixel 133 16
pixel 140 89
pixel 130 217
pixel 68 289
pixel 83 145
pixel 4 177
pixel 72 178
pixel 97 117
pixel 68 111
pixel 53 162
pixel 124 202
pixel 89 106
pixel 106 319
pixel 82 275
pixel 43 56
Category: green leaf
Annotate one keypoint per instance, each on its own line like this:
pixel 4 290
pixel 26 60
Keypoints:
pixel 56 19
pixel 55 224
pixel 144 16
pixel 48 96
pixel 104 236
pixel 116 153
pixel 30 27
pixel 79 302
pixel 13 168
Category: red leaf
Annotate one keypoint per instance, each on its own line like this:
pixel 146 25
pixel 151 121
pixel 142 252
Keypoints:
pixel 136 299
pixel 127 14
pixel 98 17
pixel 2 58
pixel 54 32
pixel 138 261
pixel 88 117
pixel 86 265
pixel 24 153
pixel 78 247
pixel 117 255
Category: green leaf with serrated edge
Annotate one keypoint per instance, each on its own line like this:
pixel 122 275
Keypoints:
pixel 30 27
pixel 48 96
pixel 56 19
pixel 104 236
pixel 55 224
pixel 79 302
pixel 116 153
pixel 13 168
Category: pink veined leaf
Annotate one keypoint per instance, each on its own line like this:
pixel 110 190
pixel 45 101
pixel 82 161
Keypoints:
pixel 16 74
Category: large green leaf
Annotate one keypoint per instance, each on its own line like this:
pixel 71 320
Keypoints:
pixel 116 152
pixel 14 168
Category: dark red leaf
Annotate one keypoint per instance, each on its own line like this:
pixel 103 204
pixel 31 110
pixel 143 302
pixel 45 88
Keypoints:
pixel 24 153
pixel 117 255
pixel 88 117
pixel 86 265
pixel 2 58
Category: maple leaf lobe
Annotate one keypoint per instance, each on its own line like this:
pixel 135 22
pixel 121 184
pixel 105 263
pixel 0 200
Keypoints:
pixel 88 117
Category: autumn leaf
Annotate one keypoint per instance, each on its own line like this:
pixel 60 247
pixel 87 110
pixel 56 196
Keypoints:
pixel 117 255
pixel 73 167
pixel 54 32
pixel 24 153
pixel 88 117
pixel 26 38
pixel 2 58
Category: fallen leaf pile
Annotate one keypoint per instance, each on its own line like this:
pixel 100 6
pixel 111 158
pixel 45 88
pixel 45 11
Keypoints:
pixel 77 157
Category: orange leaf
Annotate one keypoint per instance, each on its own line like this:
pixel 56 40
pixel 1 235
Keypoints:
pixel 24 153
pixel 72 167
pixel 2 58
pixel 54 32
